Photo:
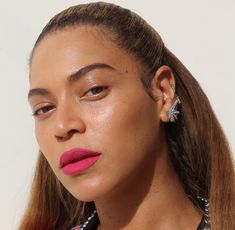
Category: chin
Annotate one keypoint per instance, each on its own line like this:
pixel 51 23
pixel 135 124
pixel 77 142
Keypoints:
pixel 88 195
pixel 86 189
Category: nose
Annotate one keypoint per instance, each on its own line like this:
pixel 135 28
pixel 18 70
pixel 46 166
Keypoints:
pixel 68 122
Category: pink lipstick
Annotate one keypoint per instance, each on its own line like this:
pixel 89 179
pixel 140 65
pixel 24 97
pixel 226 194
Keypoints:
pixel 77 160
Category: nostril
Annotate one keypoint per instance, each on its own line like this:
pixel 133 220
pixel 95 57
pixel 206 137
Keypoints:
pixel 67 136
pixel 72 131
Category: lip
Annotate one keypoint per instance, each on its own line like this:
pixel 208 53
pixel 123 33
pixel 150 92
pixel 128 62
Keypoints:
pixel 77 160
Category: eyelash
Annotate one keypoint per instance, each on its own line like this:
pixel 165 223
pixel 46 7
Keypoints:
pixel 48 108
pixel 95 88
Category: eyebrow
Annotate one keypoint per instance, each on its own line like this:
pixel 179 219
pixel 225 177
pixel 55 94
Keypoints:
pixel 83 71
pixel 71 78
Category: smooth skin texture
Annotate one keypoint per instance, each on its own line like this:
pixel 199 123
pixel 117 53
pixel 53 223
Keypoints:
pixel 105 108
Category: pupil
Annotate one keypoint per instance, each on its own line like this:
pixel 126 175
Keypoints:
pixel 97 90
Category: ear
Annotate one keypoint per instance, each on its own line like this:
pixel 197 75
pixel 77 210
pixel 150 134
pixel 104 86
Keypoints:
pixel 163 87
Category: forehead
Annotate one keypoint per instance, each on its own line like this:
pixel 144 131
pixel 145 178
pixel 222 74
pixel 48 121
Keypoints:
pixel 65 51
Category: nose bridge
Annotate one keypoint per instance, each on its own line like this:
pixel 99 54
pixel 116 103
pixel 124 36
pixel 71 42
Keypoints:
pixel 68 118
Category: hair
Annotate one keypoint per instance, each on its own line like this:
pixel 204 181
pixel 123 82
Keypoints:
pixel 197 145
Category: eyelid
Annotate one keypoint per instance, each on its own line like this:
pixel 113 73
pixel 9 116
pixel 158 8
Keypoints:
pixel 95 96
pixel 96 87
pixel 42 106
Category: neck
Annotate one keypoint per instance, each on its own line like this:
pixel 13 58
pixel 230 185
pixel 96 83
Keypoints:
pixel 156 199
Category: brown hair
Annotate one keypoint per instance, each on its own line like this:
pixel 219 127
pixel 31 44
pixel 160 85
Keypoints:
pixel 197 145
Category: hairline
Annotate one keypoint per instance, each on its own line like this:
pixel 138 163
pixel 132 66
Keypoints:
pixel 109 37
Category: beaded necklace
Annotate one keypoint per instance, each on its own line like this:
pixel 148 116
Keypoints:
pixel 206 218
pixel 83 226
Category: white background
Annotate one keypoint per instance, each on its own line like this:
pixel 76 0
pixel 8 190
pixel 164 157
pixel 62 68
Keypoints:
pixel 201 33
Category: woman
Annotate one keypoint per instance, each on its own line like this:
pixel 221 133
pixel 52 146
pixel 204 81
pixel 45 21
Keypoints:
pixel 128 139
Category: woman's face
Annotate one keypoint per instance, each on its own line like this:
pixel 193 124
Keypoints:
pixel 86 93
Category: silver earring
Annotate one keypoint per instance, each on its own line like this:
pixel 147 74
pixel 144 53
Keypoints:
pixel 173 87
pixel 165 96
pixel 172 112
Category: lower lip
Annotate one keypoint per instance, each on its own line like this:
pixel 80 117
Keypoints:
pixel 80 166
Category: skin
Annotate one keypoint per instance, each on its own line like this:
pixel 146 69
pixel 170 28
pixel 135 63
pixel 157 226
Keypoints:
pixel 134 177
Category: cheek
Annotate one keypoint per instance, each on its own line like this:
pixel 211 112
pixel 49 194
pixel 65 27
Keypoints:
pixel 126 132
pixel 39 135
pixel 44 140
pixel 124 127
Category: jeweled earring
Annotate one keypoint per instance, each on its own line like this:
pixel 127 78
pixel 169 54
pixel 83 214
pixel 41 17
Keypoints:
pixel 165 96
pixel 172 113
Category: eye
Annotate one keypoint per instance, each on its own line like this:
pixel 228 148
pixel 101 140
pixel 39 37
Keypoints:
pixel 95 91
pixel 43 110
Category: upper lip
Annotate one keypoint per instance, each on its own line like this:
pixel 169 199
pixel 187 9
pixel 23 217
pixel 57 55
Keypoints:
pixel 76 154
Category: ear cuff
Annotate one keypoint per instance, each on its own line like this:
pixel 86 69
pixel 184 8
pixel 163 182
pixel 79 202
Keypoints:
pixel 173 113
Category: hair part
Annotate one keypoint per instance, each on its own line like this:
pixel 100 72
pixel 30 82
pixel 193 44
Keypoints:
pixel 197 145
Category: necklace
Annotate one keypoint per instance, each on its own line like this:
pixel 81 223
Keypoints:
pixel 206 219
pixel 82 226
pixel 206 206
